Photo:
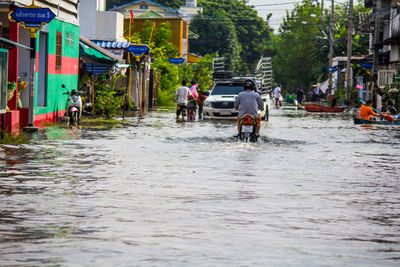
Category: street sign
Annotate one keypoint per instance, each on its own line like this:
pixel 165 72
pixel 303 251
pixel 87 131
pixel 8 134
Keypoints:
pixel 32 17
pixel 138 50
pixel 367 66
pixel 176 61
pixel 333 69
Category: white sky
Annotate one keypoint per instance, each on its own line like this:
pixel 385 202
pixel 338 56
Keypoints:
pixel 278 9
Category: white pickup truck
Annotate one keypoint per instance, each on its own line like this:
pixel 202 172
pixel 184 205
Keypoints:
pixel 220 104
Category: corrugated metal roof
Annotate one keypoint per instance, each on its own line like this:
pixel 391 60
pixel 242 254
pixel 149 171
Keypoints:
pixel 111 44
pixel 100 49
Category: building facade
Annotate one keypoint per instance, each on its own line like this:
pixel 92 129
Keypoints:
pixel 57 62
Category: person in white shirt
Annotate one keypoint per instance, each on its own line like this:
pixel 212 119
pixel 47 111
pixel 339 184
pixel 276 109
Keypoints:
pixel 277 96
pixel 181 97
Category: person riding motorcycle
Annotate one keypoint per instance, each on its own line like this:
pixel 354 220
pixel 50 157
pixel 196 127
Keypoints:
pixel 249 102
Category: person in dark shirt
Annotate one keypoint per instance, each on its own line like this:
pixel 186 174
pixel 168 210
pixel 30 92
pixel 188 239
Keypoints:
pixel 300 96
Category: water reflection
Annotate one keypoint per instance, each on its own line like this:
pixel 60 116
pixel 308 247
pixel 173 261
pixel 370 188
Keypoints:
pixel 316 190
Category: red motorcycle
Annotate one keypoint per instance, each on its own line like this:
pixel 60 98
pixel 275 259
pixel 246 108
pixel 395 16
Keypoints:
pixel 248 128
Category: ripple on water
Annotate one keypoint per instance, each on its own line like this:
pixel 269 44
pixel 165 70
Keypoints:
pixel 157 192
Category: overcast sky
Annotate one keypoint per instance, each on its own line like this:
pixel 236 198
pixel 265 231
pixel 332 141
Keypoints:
pixel 278 9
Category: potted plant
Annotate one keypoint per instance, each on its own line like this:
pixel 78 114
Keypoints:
pixel 11 87
pixel 21 87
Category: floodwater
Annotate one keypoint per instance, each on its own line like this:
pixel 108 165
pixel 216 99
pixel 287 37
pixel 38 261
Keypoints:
pixel 315 191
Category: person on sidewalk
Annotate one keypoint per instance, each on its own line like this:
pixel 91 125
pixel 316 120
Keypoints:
pixel 181 97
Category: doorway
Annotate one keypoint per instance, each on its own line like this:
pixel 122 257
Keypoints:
pixel 42 75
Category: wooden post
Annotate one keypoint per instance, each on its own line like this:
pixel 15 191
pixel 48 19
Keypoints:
pixel 376 49
pixel 331 42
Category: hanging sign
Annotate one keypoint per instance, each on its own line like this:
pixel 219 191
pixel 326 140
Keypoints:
pixel 333 69
pixel 176 61
pixel 138 50
pixel 32 17
pixel 367 66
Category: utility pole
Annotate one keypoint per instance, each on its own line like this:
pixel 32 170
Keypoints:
pixel 331 46
pixel 376 47
pixel 349 71
pixel 322 12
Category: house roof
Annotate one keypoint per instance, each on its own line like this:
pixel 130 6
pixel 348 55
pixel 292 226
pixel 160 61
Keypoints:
pixel 150 14
pixel 144 1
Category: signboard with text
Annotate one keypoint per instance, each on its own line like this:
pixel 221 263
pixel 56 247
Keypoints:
pixel 176 61
pixel 138 50
pixel 32 17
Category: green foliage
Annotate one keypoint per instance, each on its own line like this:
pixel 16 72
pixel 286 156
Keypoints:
pixel 14 138
pixel 169 81
pixel 302 46
pixel 172 76
pixel 202 72
pixel 107 100
pixel 230 27
pixel 217 36
pixel 159 42
pixel 169 75
pixel 348 96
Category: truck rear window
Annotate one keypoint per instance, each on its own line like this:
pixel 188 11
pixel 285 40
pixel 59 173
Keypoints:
pixel 226 89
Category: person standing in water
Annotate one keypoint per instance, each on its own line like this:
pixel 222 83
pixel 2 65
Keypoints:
pixel 181 97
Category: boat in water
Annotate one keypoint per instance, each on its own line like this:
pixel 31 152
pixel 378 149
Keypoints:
pixel 378 122
pixel 321 108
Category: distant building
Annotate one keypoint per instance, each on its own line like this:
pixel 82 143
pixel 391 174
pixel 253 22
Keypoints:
pixel 190 10
pixel 99 24
pixel 179 20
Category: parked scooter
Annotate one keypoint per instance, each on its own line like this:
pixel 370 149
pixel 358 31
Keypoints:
pixel 248 129
pixel 73 107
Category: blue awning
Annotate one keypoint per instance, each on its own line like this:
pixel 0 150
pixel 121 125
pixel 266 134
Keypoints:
pixel 96 68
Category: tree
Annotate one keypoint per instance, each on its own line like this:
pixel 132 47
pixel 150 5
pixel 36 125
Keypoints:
pixel 217 35
pixel 251 31
pixel 301 48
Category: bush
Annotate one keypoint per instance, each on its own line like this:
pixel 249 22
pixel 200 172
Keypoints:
pixel 14 138
pixel 107 101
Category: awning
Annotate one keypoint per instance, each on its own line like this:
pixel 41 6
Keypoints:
pixel 96 53
pixel 91 54
pixel 96 68
pixel 13 44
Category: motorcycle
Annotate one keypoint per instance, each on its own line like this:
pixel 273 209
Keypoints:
pixel 248 129
pixel 73 107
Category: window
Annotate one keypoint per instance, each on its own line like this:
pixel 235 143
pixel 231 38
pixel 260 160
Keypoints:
pixel 143 6
pixel 69 39
pixel 58 50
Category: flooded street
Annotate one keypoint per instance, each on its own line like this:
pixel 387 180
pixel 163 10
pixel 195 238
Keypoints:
pixel 316 190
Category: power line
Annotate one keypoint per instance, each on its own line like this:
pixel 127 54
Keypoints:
pixel 278 4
